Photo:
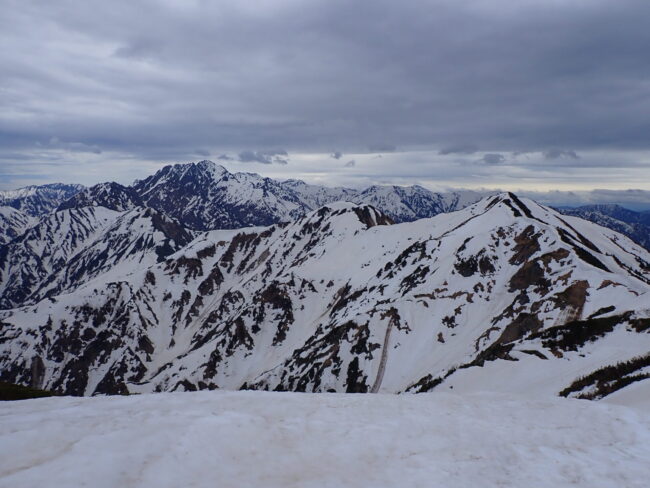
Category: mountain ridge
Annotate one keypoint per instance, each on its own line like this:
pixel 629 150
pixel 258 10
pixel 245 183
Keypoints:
pixel 206 196
pixel 40 200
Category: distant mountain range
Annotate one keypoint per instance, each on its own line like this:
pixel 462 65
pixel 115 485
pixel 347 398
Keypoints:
pixel 205 196
pixel 635 225
pixel 36 201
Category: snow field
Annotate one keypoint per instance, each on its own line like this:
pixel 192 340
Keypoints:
pixel 259 439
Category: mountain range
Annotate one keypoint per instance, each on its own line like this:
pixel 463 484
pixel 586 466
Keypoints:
pixel 205 196
pixel 38 200
pixel 635 225
pixel 123 291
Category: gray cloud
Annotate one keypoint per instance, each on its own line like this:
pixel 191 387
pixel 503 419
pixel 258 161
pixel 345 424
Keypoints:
pixel 225 157
pixel 383 148
pixel 493 158
pixel 56 143
pixel 264 157
pixel 350 164
pixel 153 81
pixel 336 155
pixel 458 149
pixel 559 154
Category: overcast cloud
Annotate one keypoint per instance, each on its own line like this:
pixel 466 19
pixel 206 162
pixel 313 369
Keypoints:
pixel 119 88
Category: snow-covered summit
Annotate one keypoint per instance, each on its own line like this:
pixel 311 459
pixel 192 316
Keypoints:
pixel 206 196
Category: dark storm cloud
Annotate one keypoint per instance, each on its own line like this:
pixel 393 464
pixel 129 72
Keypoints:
pixel 157 79
pixel 559 154
pixel 493 158
pixel 336 155
pixel 458 149
pixel 382 148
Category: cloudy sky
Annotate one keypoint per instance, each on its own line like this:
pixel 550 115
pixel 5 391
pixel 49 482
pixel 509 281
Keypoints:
pixel 526 94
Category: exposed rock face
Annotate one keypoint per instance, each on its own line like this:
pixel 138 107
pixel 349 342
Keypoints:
pixel 504 294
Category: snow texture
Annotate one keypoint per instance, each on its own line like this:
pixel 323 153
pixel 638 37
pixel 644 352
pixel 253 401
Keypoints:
pixel 259 439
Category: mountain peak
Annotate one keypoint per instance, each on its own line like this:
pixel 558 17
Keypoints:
pixel 205 166
pixel 518 206
pixel 367 215
pixel 211 167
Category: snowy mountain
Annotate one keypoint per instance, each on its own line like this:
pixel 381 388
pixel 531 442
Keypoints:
pixel 13 223
pixel 38 200
pixel 205 196
pixel 406 204
pixel 31 259
pixel 635 225
pixel 503 295
pixel 70 247
pixel 109 195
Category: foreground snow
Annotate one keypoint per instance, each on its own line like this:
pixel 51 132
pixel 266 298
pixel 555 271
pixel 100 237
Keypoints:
pixel 257 439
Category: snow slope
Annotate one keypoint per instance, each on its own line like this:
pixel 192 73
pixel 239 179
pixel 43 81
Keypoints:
pixel 13 223
pixel 68 248
pixel 39 253
pixel 258 439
